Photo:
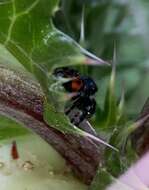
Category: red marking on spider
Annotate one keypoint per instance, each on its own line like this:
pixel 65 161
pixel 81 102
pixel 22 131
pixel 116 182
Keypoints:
pixel 14 151
pixel 76 85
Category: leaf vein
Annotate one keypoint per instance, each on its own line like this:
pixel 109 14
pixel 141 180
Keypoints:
pixel 29 9
pixel 13 20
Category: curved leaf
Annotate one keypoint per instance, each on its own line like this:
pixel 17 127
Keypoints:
pixel 10 129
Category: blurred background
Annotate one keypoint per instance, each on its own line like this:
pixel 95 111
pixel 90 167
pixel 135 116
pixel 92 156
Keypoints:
pixel 106 22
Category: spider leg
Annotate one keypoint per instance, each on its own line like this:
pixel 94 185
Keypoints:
pixel 75 113
pixel 82 116
pixel 87 107
pixel 73 101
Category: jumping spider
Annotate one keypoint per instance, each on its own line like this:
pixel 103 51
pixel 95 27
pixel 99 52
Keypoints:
pixel 82 105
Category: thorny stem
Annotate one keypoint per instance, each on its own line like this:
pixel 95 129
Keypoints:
pixel 22 100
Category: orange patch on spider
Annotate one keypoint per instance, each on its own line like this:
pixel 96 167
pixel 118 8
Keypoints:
pixel 76 85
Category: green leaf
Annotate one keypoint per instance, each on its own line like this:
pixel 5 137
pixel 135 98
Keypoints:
pixel 57 119
pixel 28 34
pixel 10 128
pixel 110 107
pixel 118 162
pixel 101 180
pixel 120 109
pixel 113 159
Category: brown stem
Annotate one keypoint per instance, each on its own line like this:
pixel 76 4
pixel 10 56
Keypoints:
pixel 140 137
pixel 22 100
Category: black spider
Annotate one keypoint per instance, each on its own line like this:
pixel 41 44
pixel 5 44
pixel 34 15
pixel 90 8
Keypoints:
pixel 82 105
